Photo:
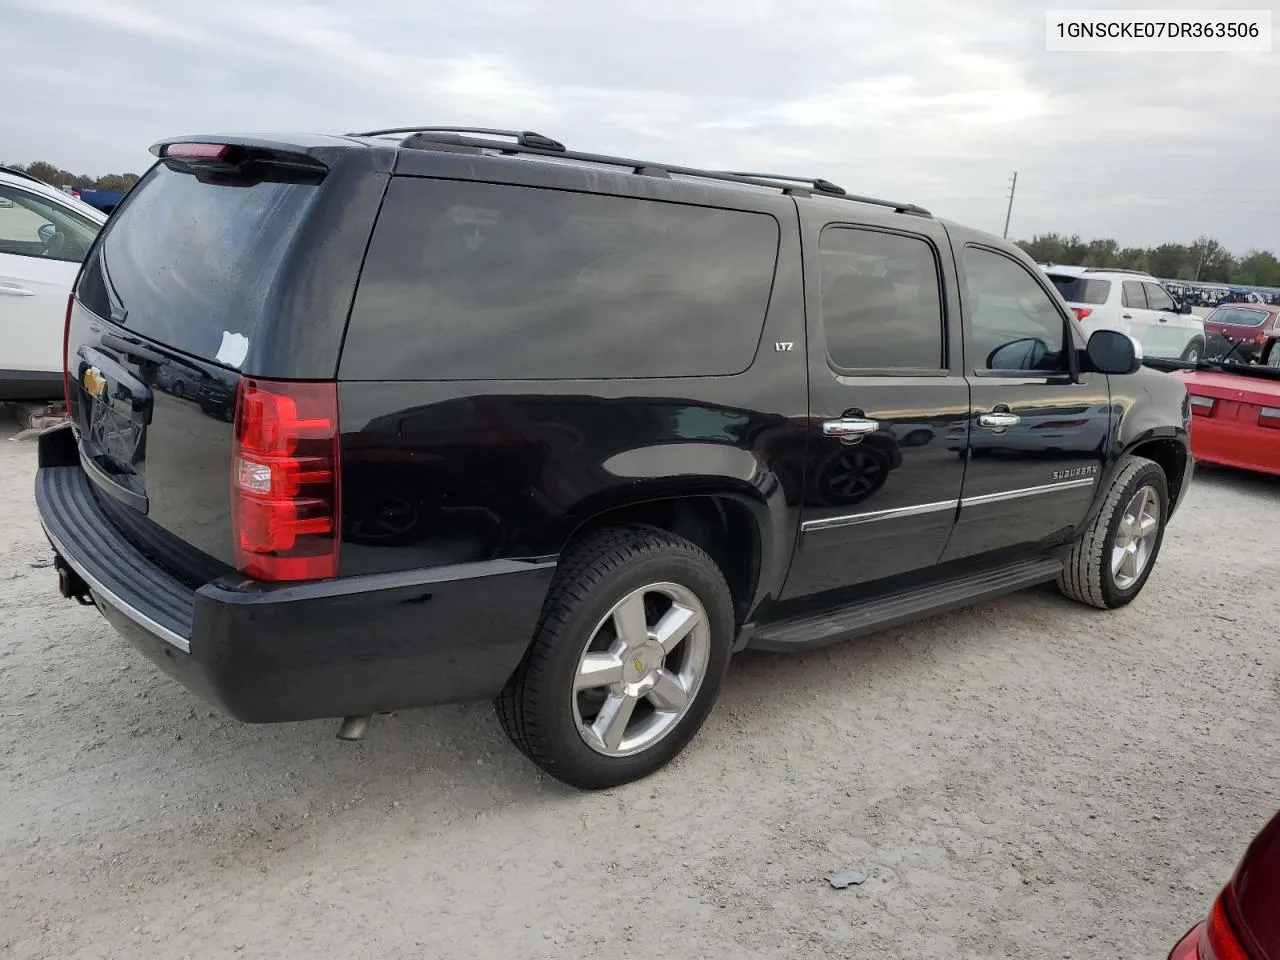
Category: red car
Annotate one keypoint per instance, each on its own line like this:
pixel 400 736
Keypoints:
pixel 1235 416
pixel 1246 332
pixel 1244 922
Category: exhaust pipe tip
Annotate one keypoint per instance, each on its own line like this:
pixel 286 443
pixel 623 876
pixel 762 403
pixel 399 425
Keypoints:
pixel 353 728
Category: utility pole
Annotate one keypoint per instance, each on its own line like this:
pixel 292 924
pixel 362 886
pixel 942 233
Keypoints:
pixel 1009 213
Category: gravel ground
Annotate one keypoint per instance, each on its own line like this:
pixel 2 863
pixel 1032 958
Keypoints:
pixel 1027 779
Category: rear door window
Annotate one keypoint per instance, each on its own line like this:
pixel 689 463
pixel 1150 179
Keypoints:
pixel 1080 289
pixel 192 264
pixel 881 301
pixel 474 281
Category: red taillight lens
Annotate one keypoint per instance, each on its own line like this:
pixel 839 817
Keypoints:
pixel 66 360
pixel 285 480
pixel 1218 939
pixel 1081 312
pixel 1269 417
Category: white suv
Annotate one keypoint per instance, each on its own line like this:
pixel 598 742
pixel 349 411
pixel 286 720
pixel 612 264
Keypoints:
pixel 44 234
pixel 1133 303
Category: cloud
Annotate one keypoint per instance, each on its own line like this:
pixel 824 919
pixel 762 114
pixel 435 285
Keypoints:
pixel 922 100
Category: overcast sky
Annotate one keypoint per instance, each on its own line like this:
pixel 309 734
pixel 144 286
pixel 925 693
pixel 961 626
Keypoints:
pixel 931 102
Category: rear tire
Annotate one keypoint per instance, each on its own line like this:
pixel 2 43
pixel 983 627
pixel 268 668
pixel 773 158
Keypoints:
pixel 1273 354
pixel 627 659
pixel 1110 563
pixel 1194 351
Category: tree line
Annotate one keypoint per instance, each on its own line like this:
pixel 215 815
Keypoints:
pixel 58 177
pixel 1205 260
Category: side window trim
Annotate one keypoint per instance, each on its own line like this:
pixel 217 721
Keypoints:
pixel 1069 329
pixel 944 329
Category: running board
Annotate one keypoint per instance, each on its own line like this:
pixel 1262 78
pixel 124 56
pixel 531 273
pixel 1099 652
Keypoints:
pixel 902 607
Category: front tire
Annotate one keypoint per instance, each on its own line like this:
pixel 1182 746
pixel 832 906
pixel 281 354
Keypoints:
pixel 1273 354
pixel 628 657
pixel 1110 563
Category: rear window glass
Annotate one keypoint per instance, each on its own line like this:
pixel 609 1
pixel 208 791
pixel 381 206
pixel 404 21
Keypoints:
pixel 484 281
pixel 1237 317
pixel 1080 290
pixel 191 264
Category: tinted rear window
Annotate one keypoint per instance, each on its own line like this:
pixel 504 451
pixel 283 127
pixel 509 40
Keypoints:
pixel 1080 290
pixel 192 264
pixel 1237 317
pixel 485 281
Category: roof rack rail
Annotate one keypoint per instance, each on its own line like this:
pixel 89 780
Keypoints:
pixel 817 183
pixel 827 188
pixel 525 138
pixel 538 145
pixel 1136 273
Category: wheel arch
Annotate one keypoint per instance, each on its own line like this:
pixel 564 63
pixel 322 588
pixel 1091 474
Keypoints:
pixel 733 524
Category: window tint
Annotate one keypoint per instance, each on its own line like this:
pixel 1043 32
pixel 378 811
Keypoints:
pixel 1158 298
pixel 31 226
pixel 881 308
pixel 1080 290
pixel 1014 323
pixel 192 264
pixel 485 281
pixel 1134 296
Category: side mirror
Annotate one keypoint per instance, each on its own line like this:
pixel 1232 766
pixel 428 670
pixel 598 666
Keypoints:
pixel 1113 352
pixel 1184 306
pixel 46 233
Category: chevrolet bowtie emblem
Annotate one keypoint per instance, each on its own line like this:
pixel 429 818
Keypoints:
pixel 95 384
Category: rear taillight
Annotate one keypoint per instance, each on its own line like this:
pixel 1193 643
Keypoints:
pixel 1201 406
pixel 1081 312
pixel 66 360
pixel 285 480
pixel 1218 938
pixel 1269 417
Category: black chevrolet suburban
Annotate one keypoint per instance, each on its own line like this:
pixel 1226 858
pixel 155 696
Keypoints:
pixel 366 422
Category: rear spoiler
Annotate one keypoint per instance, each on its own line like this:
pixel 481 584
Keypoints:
pixel 242 161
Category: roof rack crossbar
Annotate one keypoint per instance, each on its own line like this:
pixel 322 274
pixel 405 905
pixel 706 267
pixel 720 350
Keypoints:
pixel 525 138
pixel 528 143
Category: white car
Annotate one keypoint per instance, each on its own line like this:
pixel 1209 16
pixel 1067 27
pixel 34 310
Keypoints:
pixel 1133 303
pixel 44 234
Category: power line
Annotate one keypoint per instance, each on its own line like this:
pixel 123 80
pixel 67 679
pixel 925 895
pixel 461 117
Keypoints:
pixel 1009 212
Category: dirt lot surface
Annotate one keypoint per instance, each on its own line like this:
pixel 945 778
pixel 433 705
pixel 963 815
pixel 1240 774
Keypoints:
pixel 1027 779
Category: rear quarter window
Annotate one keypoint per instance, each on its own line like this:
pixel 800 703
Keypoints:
pixel 470 281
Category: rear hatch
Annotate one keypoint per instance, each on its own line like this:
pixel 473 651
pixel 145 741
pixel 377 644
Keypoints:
pixel 227 266
pixel 1083 294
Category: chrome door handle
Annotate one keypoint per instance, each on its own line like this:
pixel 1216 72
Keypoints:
pixel 849 428
pixel 10 289
pixel 998 421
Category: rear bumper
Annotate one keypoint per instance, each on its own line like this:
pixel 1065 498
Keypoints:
pixel 265 653
pixel 1233 443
